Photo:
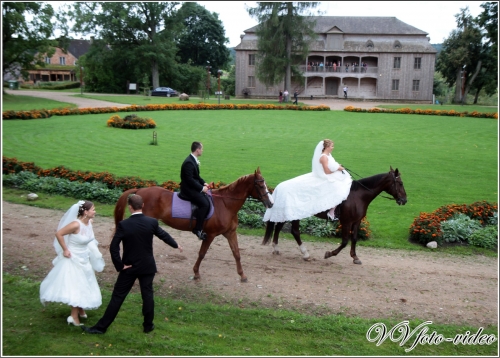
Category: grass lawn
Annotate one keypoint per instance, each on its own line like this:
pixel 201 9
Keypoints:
pixel 456 107
pixel 28 103
pixel 205 329
pixel 443 160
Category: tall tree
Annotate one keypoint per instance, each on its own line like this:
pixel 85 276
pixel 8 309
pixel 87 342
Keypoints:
pixel 284 33
pixel 25 42
pixel 146 28
pixel 202 40
pixel 460 59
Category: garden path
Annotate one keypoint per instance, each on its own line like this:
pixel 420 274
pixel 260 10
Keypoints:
pixel 396 284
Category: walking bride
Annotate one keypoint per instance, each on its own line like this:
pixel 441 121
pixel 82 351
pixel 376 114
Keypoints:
pixel 72 279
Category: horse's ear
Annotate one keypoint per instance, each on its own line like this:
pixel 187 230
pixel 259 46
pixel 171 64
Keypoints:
pixel 391 169
pixel 258 170
pixel 396 172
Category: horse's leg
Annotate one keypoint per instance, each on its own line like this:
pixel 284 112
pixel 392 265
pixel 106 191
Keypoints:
pixel 268 233
pixel 296 235
pixel 205 244
pixel 277 229
pixel 345 239
pixel 354 239
pixel 232 238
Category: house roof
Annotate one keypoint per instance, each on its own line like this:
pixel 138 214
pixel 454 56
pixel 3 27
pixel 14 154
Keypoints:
pixel 79 47
pixel 372 25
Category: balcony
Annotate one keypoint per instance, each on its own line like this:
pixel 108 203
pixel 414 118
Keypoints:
pixel 339 70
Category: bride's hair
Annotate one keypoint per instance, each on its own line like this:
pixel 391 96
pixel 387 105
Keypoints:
pixel 87 205
pixel 326 144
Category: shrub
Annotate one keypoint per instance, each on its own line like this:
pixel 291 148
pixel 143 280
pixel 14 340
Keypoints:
pixel 486 237
pixel 427 226
pixel 132 121
pixel 459 228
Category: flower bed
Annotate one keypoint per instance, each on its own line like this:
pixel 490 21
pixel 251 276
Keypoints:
pixel 152 107
pixel 131 121
pixel 431 112
pixel 427 226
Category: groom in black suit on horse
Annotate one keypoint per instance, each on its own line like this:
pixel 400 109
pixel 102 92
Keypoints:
pixel 194 188
pixel 136 235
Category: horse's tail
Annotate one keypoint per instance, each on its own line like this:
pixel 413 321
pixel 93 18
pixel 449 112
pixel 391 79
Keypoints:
pixel 269 232
pixel 120 206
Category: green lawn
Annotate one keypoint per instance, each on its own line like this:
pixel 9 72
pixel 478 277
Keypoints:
pixel 28 103
pixel 456 107
pixel 197 328
pixel 443 160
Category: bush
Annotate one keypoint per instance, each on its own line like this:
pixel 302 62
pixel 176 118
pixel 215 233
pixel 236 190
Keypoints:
pixel 427 226
pixel 459 228
pixel 132 121
pixel 96 191
pixel 486 237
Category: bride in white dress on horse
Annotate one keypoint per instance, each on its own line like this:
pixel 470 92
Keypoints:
pixel 306 195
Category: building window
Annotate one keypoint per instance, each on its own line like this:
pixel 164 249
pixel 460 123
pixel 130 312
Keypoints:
pixel 397 62
pixel 395 85
pixel 62 60
pixel 47 59
pixel 417 63
pixel 251 81
pixel 416 85
pixel 251 60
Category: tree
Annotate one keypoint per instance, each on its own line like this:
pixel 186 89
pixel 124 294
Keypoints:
pixel 25 42
pixel 284 33
pixel 146 29
pixel 464 57
pixel 202 40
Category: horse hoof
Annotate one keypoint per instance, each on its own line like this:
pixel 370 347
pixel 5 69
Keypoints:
pixel 276 253
pixel 327 255
pixel 308 258
pixel 244 279
pixel 357 262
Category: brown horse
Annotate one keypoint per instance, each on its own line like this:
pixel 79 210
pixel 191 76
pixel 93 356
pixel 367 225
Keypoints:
pixel 228 200
pixel 350 212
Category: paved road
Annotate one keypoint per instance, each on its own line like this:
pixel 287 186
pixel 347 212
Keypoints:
pixel 68 97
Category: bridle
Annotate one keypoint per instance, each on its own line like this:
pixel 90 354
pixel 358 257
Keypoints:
pixel 394 184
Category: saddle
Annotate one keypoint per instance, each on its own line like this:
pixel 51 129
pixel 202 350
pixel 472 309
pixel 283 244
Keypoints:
pixel 184 209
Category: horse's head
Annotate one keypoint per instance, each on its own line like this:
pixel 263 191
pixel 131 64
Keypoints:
pixel 397 189
pixel 260 191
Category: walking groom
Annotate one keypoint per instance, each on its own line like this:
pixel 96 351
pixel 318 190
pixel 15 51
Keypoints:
pixel 136 235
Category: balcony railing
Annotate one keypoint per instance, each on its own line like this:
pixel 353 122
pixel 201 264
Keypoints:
pixel 338 69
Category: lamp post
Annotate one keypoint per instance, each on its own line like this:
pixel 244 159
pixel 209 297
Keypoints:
pixel 81 80
pixel 208 78
pixel 219 73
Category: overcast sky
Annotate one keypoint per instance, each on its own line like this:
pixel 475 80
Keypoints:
pixel 437 18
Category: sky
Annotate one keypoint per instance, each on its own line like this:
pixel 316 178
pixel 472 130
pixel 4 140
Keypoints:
pixel 437 18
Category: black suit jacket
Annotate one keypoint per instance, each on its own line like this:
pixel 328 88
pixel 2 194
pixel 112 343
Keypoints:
pixel 136 234
pixel 191 182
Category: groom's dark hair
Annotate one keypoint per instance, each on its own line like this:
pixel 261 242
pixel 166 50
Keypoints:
pixel 195 146
pixel 135 201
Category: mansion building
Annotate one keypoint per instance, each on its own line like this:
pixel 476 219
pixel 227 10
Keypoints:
pixel 377 58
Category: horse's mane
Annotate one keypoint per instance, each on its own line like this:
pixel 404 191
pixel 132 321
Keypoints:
pixel 368 182
pixel 230 188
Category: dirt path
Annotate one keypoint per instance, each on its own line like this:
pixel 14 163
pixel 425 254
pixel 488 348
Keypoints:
pixel 390 283
pixel 334 104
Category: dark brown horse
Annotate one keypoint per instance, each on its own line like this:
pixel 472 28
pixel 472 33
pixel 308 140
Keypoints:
pixel 351 211
pixel 228 200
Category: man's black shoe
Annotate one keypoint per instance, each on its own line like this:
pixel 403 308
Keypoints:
pixel 147 330
pixel 91 330
pixel 201 235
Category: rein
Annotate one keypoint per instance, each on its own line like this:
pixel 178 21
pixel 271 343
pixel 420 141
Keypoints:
pixel 383 196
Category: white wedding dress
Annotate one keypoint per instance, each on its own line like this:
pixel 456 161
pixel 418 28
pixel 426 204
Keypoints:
pixel 72 280
pixel 311 193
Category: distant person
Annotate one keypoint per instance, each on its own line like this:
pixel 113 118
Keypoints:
pixel 345 91
pixel 136 236
pixel 280 96
pixel 286 95
pixel 295 97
